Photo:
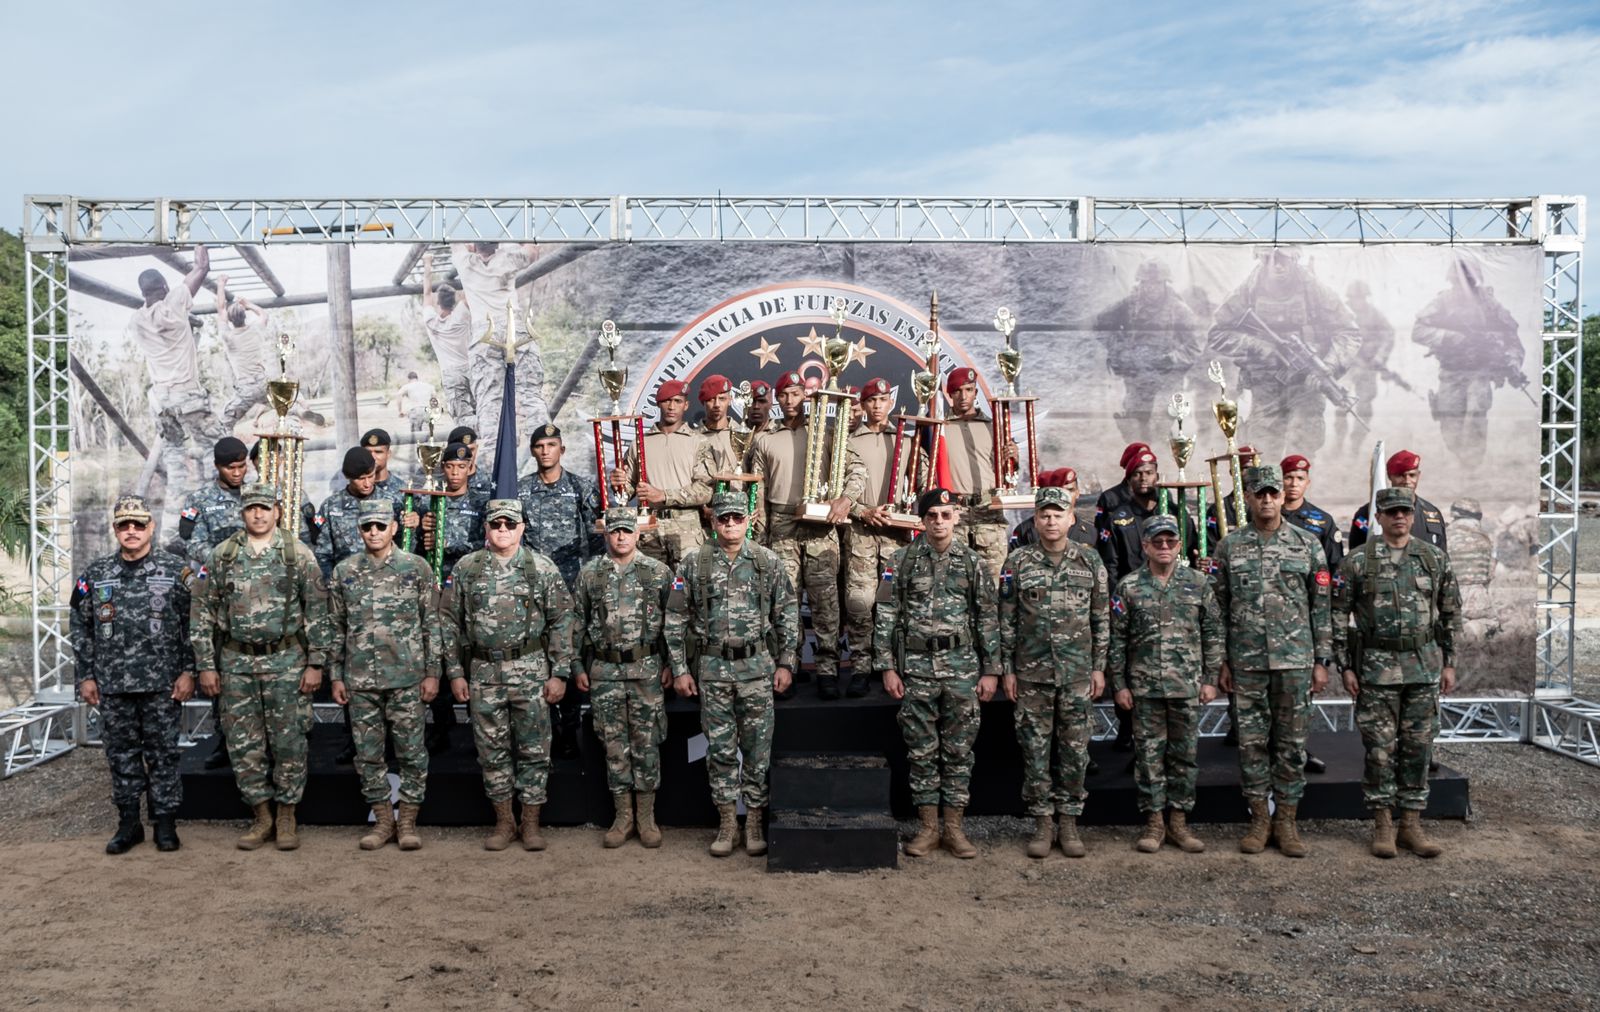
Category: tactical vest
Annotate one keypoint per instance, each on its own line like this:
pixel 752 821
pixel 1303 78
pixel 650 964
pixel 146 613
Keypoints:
pixel 223 557
pixel 1369 596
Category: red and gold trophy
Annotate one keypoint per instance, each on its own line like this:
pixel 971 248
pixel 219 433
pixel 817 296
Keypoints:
pixel 1007 493
pixel 914 469
pixel 614 377
pixel 827 417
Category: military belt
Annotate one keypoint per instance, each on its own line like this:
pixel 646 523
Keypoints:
pixel 628 656
pixel 260 649
pixel 1413 642
pixel 737 650
pixel 510 653
pixel 934 644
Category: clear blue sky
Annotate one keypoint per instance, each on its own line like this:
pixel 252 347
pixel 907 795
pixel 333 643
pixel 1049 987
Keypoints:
pixel 1384 98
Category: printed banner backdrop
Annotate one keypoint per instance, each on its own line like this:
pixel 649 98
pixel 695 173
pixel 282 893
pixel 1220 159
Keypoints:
pixel 1327 349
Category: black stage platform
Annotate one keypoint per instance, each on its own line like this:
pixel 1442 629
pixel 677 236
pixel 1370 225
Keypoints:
pixel 805 724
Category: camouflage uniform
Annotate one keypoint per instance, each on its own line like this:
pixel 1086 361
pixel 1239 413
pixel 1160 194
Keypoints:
pixel 970 444
pixel 746 621
pixel 386 640
pixel 868 549
pixel 129 628
pixel 1473 559
pixel 508 629
pixel 560 520
pixel 1053 633
pixel 209 515
pixel 339 534
pixel 1474 338
pixel 937 626
pixel 620 616
pixel 1152 339
pixel 463 525
pixel 669 460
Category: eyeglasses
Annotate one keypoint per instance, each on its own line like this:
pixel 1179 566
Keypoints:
pixel 502 524
pixel 1167 541
pixel 137 525
pixel 374 525
pixel 730 518
pixel 1268 493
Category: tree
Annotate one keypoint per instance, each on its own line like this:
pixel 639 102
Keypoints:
pixel 1589 472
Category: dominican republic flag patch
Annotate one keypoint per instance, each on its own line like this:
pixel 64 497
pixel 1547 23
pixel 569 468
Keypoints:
pixel 83 586
pixel 320 520
pixel 1212 567
pixel 1338 580
pixel 1117 605
pixel 450 581
pixel 202 573
pixel 886 585
pixel 1361 523
pixel 1007 583
pixel 190 514
pixel 1105 534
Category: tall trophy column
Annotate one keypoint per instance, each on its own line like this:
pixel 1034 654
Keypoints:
pixel 1007 493
pixel 282 463
pixel 614 378
pixel 827 416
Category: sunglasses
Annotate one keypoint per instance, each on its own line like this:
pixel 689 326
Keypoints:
pixel 502 525
pixel 374 525
pixel 1165 541
pixel 137 525
pixel 730 518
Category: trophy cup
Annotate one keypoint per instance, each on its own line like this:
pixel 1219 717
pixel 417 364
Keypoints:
pixel 428 455
pixel 1226 411
pixel 282 463
pixel 739 439
pixel 1175 496
pixel 613 378
pixel 917 436
pixel 1005 495
pixel 826 418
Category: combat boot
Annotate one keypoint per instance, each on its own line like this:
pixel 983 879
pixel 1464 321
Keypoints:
pixel 532 839
pixel 955 838
pixel 407 829
pixel 1255 838
pixel 505 827
pixel 260 830
pixel 1044 834
pixel 1179 835
pixel 1155 828
pixel 1413 838
pixel 288 833
pixel 1067 830
pixel 649 832
pixel 382 830
pixel 1287 833
pixel 1382 833
pixel 622 825
pixel 167 833
pixel 755 834
pixel 727 830
pixel 927 837
pixel 130 831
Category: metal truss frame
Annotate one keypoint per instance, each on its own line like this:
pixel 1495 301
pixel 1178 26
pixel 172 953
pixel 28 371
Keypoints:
pixel 52 225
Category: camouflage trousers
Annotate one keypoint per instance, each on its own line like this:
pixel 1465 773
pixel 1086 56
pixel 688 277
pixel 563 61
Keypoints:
pixel 140 733
pixel 188 431
pixel 376 714
pixel 675 535
pixel 265 720
pixel 630 716
pixel 992 541
pixel 810 555
pixel 1295 412
pixel 457 394
pixel 1145 395
pixel 1398 724
pixel 736 717
pixel 1165 735
pixel 1462 409
pixel 1053 730
pixel 245 396
pixel 511 727
pixel 939 722
pixel 866 553
pixel 1274 715
pixel 488 379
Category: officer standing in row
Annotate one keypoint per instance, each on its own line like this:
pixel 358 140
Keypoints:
pixel 1298 510
pixel 869 542
pixel 132 660
pixel 969 441
pixel 671 491
pixel 1405 471
pixel 479 482
pixel 385 484
pixel 1078 531
pixel 463 534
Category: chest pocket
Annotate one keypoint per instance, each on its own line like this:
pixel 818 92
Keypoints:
pixel 1244 577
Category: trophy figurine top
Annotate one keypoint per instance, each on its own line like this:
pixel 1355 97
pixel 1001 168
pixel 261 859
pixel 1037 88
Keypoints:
pixel 612 376
pixel 429 453
pixel 1225 408
pixel 282 391
pixel 741 434
pixel 836 351
pixel 1008 357
pixel 925 381
pixel 1180 440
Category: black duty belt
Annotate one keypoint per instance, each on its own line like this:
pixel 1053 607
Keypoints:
pixel 737 650
pixel 510 653
pixel 934 644
pixel 261 649
pixel 1413 642
pixel 628 656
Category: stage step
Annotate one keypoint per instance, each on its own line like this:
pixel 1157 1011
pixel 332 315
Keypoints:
pixel 846 781
pixel 830 812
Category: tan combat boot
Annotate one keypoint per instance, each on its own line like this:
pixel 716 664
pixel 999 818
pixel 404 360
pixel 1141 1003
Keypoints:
pixel 288 833
pixel 1044 834
pixel 260 830
pixel 649 832
pixel 1067 831
pixel 622 825
pixel 755 834
pixel 532 839
pixel 505 827
pixel 927 837
pixel 1413 838
pixel 407 830
pixel 1155 829
pixel 1288 834
pixel 955 838
pixel 382 830
pixel 1255 838
pixel 1382 833
pixel 727 830
pixel 1178 833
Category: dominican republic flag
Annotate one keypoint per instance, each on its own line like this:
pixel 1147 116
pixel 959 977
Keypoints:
pixel 941 459
pixel 505 449
pixel 1117 605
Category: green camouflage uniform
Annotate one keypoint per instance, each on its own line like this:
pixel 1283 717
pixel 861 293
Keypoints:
pixel 621 612
pixel 1407 609
pixel 385 619
pixel 1166 641
pixel 1053 632
pixel 507 630
pixel 258 620
pixel 1273 590
pixel 938 627
pixel 746 623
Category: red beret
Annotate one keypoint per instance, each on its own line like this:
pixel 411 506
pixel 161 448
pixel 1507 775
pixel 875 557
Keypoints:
pixel 1066 476
pixel 714 386
pixel 1138 460
pixel 1246 452
pixel 875 386
pixel 787 380
pixel 1403 461
pixel 760 388
pixel 1130 451
pixel 1294 462
pixel 670 389
pixel 853 390
pixel 959 378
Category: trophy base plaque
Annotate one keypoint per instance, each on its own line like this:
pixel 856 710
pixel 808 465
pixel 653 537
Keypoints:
pixel 815 512
pixel 1010 499
pixel 743 477
pixel 903 521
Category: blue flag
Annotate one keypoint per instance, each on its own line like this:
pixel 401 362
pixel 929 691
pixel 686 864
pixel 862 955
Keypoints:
pixel 505 448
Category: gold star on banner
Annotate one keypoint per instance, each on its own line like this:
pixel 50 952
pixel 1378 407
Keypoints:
pixel 859 352
pixel 767 354
pixel 812 343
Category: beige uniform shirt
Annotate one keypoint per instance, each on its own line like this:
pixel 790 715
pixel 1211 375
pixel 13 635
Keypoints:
pixel 162 332
pixel 969 444
pixel 246 348
pixel 489 285
pixel 876 450
pixel 450 336
pixel 669 464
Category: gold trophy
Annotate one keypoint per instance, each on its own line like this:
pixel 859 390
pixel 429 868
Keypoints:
pixel 917 436
pixel 428 455
pixel 739 438
pixel 1175 496
pixel 614 378
pixel 826 418
pixel 282 463
pixel 1226 411
pixel 1006 495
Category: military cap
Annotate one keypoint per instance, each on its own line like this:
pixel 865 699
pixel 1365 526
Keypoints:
pixel 1158 523
pixel 729 501
pixel 357 462
pixel 1131 451
pixel 1053 496
pixel 229 450
pixel 549 430
pixel 934 497
pixel 622 518
pixel 130 507
pixel 959 378
pixel 670 389
pixel 1402 462
pixel 1294 462
pixel 456 451
pixel 375 437
pixel 789 379
pixel 504 509
pixel 462 434
pixel 875 387
pixel 259 494
pixel 1263 476
pixel 1466 509
pixel 374 509
pixel 714 386
pixel 760 388
pixel 1131 462
pixel 1395 499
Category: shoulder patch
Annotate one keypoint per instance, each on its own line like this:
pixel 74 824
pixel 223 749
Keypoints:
pixel 1117 605
pixel 1323 579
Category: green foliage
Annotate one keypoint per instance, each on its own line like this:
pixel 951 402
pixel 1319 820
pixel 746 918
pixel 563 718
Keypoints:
pixel 13 364
pixel 1590 473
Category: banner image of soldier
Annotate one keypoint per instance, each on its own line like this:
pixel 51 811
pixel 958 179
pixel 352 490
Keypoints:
pixel 447 319
pixel 1152 340
pixel 384 660
pixel 247 336
pixel 129 617
pixel 507 621
pixel 464 511
pixel 1473 560
pixel 258 625
pixel 620 659
pixel 1371 364
pixel 488 274
pixel 969 439
pixel 411 403
pixel 1404 470
pixel 1396 620
pixel 937 642
pixel 732 600
pixel 671 493
pixel 1054 634
pixel 1167 642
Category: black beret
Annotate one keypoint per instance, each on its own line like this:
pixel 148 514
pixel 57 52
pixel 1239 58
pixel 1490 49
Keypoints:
pixel 229 450
pixel 548 430
pixel 457 451
pixel 934 497
pixel 462 434
pixel 375 437
pixel 357 462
